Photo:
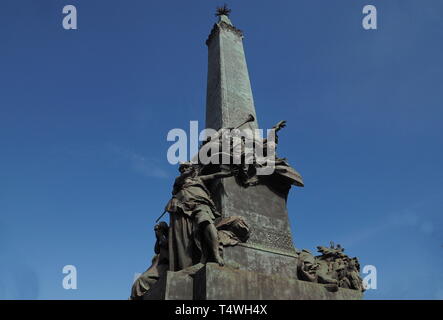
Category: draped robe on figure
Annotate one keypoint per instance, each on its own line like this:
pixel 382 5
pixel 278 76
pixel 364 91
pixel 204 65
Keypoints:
pixel 189 206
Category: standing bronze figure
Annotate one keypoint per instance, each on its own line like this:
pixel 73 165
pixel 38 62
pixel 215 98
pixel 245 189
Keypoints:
pixel 193 236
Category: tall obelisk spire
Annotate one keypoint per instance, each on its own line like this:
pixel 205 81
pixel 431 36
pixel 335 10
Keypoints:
pixel 269 248
pixel 229 96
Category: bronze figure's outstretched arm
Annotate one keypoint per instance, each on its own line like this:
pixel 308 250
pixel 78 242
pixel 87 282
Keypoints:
pixel 280 125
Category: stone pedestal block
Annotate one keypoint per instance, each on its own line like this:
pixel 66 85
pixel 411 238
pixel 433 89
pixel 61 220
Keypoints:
pixel 212 282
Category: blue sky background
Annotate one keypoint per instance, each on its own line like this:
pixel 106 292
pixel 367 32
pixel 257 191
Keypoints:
pixel 84 116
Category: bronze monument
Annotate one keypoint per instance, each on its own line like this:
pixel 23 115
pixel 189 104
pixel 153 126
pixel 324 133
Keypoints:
pixel 229 235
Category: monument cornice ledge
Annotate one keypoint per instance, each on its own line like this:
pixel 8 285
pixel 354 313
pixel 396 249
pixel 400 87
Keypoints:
pixel 225 26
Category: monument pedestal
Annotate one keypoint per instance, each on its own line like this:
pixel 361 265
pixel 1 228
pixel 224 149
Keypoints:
pixel 270 248
pixel 212 282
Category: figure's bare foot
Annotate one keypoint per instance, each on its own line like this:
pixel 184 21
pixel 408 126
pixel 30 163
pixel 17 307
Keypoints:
pixel 219 260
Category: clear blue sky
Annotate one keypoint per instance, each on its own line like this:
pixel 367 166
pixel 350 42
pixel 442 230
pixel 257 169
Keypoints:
pixel 84 116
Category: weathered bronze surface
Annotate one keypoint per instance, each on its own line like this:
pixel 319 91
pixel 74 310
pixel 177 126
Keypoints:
pixel 332 267
pixel 229 234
